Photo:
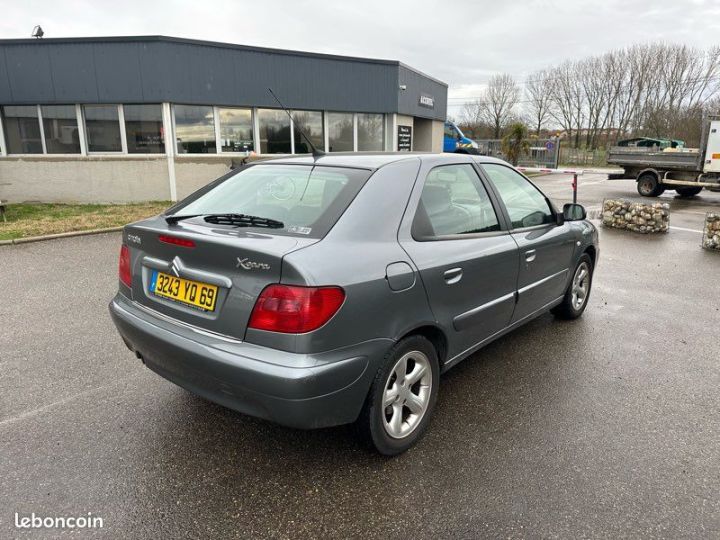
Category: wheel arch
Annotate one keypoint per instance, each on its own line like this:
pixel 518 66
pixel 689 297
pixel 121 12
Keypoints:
pixel 649 170
pixel 592 253
pixel 434 335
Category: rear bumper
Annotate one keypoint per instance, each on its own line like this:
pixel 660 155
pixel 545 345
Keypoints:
pixel 298 390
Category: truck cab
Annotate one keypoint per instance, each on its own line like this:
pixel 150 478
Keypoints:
pixel 454 141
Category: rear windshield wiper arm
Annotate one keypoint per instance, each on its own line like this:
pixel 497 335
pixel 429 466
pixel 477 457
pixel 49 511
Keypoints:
pixel 174 218
pixel 238 220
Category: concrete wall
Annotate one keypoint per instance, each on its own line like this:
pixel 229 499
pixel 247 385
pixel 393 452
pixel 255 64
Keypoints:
pixel 192 173
pixel 428 135
pixel 83 179
pixel 104 179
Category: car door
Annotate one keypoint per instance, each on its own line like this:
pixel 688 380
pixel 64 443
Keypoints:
pixel 467 259
pixel 545 247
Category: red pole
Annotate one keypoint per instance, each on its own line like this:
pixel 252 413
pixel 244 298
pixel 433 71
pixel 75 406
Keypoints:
pixel 574 188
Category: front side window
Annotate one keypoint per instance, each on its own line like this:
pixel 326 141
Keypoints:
pixel 194 129
pixel 61 129
pixel 454 201
pixel 340 132
pixel 311 123
pixel 144 129
pixel 525 204
pixel 449 131
pixel 102 127
pixel 370 132
pixel 236 130
pixel 22 129
pixel 307 200
pixel 274 135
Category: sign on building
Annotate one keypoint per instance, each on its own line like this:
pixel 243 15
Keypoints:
pixel 404 139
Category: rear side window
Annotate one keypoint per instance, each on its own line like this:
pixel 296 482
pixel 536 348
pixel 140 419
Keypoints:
pixel 453 202
pixel 525 203
pixel 307 200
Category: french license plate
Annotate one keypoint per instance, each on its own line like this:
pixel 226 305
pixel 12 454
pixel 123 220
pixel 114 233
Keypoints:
pixel 192 293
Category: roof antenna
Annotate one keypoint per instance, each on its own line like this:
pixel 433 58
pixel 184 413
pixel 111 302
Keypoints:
pixel 315 152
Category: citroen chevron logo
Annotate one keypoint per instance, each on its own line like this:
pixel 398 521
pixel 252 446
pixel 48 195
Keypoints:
pixel 175 267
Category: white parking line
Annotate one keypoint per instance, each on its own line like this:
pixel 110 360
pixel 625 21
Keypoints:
pixel 686 230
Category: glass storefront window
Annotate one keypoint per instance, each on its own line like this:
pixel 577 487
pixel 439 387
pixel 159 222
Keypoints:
pixel 102 128
pixel 22 129
pixel 311 123
pixel 236 130
pixel 340 132
pixel 144 129
pixel 274 131
pixel 370 132
pixel 194 129
pixel 61 129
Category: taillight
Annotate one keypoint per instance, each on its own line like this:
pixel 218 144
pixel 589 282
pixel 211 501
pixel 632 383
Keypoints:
pixel 124 270
pixel 174 240
pixel 295 310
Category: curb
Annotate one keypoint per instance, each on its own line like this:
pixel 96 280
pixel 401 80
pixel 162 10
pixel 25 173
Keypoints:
pixel 70 234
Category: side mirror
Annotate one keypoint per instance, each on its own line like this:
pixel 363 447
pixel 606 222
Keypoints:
pixel 574 212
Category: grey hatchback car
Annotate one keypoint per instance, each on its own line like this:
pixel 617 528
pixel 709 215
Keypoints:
pixel 321 291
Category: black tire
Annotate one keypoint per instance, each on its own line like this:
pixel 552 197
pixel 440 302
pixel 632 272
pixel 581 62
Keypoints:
pixel 688 191
pixel 648 185
pixel 568 308
pixel 373 417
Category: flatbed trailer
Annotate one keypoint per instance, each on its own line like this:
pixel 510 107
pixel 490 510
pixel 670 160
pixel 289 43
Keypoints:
pixel 687 171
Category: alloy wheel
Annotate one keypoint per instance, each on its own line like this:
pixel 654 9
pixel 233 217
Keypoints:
pixel 407 394
pixel 580 286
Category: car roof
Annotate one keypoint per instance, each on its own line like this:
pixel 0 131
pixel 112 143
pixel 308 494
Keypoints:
pixel 375 160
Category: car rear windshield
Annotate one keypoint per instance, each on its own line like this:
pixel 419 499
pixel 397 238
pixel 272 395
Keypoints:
pixel 308 200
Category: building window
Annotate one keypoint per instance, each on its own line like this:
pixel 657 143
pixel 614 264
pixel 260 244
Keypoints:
pixel 194 129
pixel 22 129
pixel 274 131
pixel 144 129
pixel 102 127
pixel 236 130
pixel 311 123
pixel 60 128
pixel 340 132
pixel 370 132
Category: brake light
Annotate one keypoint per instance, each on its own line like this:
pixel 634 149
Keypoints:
pixel 174 240
pixel 124 270
pixel 295 310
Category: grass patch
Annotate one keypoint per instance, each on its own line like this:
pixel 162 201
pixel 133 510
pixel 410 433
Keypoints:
pixel 25 220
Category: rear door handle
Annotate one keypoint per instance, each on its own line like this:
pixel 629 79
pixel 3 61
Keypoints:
pixel 530 255
pixel 453 275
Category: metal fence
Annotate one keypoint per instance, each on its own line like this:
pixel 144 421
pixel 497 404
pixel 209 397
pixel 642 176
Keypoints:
pixel 581 156
pixel 541 153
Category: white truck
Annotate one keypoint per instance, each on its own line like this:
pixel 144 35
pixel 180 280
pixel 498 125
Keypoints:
pixel 686 170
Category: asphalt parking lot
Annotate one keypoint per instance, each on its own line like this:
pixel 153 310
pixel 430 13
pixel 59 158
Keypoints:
pixel 607 426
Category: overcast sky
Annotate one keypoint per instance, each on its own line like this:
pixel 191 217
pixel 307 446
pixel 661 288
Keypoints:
pixel 461 43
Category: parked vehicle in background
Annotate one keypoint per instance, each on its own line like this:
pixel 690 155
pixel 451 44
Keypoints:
pixel 276 290
pixel 456 142
pixel 686 170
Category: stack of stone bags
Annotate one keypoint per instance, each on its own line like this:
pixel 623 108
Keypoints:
pixel 638 217
pixel 711 238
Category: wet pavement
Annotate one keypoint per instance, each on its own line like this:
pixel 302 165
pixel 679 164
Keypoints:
pixel 607 426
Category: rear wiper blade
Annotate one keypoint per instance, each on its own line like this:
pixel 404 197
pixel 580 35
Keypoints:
pixel 238 220
pixel 243 220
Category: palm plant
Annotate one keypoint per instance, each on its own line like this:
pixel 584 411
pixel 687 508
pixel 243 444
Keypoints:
pixel 515 143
